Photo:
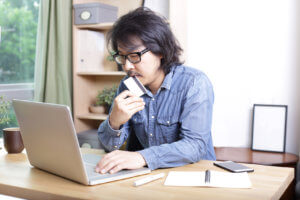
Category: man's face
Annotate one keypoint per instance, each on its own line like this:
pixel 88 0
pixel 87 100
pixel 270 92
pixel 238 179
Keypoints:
pixel 147 70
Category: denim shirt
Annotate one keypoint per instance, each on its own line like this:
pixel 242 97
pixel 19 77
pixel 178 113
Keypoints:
pixel 175 126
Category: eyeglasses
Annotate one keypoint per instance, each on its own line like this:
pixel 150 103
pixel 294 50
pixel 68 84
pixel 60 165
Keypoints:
pixel 134 57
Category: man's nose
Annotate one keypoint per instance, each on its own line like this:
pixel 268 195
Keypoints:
pixel 128 65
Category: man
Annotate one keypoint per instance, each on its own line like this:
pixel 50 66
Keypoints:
pixel 172 121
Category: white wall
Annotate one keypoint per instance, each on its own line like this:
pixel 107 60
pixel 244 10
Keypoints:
pixel 159 6
pixel 250 51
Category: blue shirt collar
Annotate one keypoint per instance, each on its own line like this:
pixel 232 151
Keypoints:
pixel 168 79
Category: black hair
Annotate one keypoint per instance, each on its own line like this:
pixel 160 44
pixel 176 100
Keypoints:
pixel 152 30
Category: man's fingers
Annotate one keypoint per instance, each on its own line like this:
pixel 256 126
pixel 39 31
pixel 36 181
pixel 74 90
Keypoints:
pixel 135 105
pixel 132 100
pixel 118 160
pixel 136 109
pixel 125 94
pixel 109 166
pixel 105 160
pixel 117 168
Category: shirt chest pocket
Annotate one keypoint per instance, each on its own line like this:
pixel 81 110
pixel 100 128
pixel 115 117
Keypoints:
pixel 137 119
pixel 169 129
pixel 138 123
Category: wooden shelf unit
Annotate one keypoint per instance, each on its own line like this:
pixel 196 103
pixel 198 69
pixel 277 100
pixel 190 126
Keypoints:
pixel 87 83
pixel 99 27
pixel 111 73
pixel 92 116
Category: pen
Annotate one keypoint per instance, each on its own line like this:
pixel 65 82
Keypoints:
pixel 207 176
pixel 148 179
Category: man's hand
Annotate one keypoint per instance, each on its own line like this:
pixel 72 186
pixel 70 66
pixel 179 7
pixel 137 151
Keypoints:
pixel 125 105
pixel 118 160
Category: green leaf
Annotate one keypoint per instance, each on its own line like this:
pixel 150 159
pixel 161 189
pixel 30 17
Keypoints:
pixel 106 96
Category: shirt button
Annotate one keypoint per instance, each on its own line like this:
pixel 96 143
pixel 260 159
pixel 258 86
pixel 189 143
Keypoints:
pixel 153 99
pixel 150 134
pixel 152 117
pixel 115 147
pixel 168 122
pixel 118 134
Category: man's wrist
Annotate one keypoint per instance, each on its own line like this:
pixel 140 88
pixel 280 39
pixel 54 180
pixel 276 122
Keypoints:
pixel 143 161
pixel 112 125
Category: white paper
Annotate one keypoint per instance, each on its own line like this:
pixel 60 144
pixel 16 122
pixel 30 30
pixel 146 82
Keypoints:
pixel 217 179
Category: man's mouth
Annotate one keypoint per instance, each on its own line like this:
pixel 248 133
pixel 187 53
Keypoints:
pixel 131 73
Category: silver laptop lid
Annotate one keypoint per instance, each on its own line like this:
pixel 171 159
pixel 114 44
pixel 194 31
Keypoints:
pixel 50 139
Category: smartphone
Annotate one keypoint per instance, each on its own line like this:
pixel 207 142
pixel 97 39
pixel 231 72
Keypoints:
pixel 233 166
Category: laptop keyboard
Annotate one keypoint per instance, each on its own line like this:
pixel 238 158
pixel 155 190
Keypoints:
pixel 90 162
pixel 91 159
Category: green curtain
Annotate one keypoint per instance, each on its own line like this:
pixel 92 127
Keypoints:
pixel 53 62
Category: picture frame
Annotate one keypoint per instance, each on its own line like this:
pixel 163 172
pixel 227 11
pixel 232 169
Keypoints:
pixel 269 123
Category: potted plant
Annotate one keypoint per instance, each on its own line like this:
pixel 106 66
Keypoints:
pixel 4 114
pixel 4 107
pixel 104 100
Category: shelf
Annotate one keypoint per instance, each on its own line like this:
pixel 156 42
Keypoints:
pixel 111 73
pixel 100 27
pixel 92 116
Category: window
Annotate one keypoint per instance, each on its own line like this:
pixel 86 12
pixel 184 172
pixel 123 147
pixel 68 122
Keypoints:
pixel 18 29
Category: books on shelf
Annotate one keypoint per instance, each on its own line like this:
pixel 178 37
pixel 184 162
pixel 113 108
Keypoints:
pixel 208 178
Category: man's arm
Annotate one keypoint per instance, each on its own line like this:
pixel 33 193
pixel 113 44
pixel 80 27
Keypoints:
pixel 110 138
pixel 114 131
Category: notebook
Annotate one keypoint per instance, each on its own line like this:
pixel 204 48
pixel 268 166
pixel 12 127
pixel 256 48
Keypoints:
pixel 51 144
pixel 208 178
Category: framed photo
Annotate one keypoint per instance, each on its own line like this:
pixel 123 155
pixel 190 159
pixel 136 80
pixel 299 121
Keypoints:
pixel 269 127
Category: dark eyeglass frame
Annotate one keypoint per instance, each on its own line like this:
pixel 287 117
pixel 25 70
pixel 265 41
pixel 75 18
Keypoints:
pixel 139 54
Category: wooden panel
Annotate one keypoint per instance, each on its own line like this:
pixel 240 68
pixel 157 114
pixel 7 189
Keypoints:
pixel 91 53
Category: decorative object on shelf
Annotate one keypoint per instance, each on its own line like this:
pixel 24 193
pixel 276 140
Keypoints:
pixel 98 109
pixel 86 145
pixel 269 127
pixel 89 139
pixel 94 13
pixel 104 100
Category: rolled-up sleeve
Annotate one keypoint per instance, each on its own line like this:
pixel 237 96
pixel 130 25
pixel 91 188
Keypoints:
pixel 112 139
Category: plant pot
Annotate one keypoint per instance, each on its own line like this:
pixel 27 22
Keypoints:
pixel 98 109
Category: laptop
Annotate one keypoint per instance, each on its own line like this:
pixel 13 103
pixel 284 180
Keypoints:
pixel 51 144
